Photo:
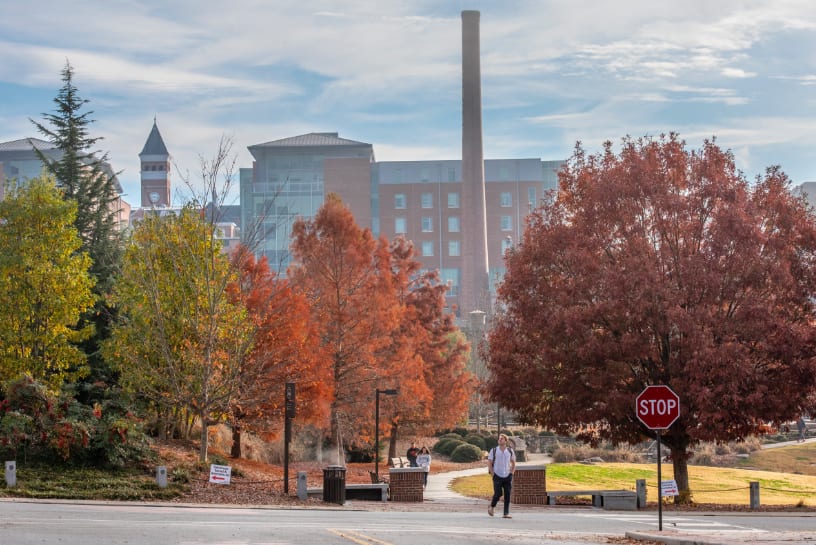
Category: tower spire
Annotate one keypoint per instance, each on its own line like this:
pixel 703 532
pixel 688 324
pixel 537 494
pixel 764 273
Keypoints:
pixel 155 170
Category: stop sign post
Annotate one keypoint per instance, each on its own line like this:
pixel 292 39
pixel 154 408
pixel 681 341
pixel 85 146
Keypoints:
pixel 658 407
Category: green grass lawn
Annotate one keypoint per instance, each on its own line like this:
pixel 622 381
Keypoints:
pixel 711 485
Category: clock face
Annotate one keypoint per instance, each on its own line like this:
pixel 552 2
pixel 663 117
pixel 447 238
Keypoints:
pixel 154 197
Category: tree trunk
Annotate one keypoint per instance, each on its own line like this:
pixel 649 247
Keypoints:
pixel 235 451
pixel 202 454
pixel 680 465
pixel 392 442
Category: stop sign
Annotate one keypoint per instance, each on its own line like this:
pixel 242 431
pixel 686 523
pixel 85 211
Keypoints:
pixel 657 407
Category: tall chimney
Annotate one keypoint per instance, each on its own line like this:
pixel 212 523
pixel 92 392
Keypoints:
pixel 475 272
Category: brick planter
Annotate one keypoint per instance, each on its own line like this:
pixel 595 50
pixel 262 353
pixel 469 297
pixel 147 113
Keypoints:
pixel 406 483
pixel 529 486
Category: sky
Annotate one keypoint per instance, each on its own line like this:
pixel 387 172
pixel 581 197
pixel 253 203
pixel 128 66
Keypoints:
pixel 554 72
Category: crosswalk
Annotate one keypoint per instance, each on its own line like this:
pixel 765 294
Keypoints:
pixel 679 523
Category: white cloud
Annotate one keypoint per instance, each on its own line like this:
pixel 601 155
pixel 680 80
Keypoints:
pixel 389 72
pixel 737 73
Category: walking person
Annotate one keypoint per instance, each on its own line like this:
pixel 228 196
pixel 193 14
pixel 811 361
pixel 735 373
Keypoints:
pixel 412 454
pixel 501 463
pixel 424 461
pixel 802 429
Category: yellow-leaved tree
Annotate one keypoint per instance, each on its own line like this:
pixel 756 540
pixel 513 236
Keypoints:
pixel 182 337
pixel 44 285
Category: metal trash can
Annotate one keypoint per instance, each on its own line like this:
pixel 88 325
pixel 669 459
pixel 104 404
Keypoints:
pixel 334 484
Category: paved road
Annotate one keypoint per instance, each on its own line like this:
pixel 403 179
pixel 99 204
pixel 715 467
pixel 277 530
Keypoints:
pixel 66 523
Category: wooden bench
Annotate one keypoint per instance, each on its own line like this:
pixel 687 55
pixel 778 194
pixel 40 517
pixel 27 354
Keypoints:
pixel 400 462
pixel 624 500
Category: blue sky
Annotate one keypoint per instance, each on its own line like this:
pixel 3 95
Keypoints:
pixel 388 72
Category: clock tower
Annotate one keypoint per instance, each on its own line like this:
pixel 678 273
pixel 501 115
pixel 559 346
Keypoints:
pixel 155 170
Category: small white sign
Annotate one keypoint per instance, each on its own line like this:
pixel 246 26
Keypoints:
pixel 220 474
pixel 669 488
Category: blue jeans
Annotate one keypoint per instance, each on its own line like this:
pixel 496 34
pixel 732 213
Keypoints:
pixel 502 486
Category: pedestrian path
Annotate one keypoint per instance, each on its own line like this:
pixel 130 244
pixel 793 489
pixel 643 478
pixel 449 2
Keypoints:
pixel 439 484
pixel 438 489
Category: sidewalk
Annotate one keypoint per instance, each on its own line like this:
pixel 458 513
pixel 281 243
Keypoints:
pixel 713 538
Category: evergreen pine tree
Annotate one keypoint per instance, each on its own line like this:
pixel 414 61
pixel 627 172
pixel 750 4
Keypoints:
pixel 86 177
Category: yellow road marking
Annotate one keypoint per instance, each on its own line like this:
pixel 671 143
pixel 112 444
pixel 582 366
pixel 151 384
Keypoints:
pixel 357 537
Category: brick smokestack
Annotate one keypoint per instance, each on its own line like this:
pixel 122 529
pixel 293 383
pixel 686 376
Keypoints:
pixel 475 273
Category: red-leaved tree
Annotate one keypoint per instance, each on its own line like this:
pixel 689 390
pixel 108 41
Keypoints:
pixel 283 351
pixel 435 385
pixel 659 265
pixel 344 273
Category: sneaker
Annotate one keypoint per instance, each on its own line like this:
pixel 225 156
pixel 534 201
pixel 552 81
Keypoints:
pixel 490 510
pixel 507 517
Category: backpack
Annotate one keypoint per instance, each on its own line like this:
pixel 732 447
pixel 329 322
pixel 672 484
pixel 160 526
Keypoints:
pixel 493 453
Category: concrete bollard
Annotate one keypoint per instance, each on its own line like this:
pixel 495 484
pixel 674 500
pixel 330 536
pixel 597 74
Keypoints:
pixel 754 486
pixel 11 473
pixel 640 488
pixel 161 476
pixel 302 492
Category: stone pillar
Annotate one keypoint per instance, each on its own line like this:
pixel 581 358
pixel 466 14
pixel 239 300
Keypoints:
pixel 640 489
pixel 11 473
pixel 754 491
pixel 406 484
pixel 302 490
pixel 529 486
pixel 161 476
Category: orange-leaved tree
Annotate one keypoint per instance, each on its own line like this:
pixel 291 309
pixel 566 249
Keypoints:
pixel 344 273
pixel 659 265
pixel 283 351
pixel 435 386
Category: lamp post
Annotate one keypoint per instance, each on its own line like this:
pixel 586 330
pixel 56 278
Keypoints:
pixel 389 392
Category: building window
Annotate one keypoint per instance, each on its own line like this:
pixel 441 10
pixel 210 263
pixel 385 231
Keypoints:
pixel 425 174
pixel 531 197
pixel 450 277
pixel 451 174
pixel 506 198
pixel 427 200
pixel 453 248
pixel 453 224
pixel 399 201
pixel 427 248
pixel 427 224
pixel 506 223
pixel 400 226
pixel 453 200
pixel 506 244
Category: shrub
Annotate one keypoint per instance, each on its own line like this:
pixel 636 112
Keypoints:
pixel 461 432
pixel 477 440
pixel 452 435
pixel 490 442
pixel 449 446
pixel 180 475
pixel 45 428
pixel 466 452
pixel 440 445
